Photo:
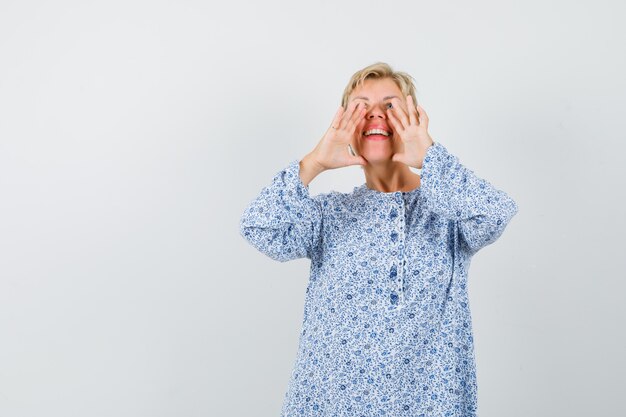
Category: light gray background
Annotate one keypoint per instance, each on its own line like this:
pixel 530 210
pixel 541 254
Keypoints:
pixel 134 133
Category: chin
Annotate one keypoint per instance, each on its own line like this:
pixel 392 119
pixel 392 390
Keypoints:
pixel 376 151
pixel 375 157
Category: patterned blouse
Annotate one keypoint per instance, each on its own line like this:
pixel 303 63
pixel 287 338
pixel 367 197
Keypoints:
pixel 387 329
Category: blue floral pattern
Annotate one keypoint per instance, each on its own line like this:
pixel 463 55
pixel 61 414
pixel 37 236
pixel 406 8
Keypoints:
pixel 387 329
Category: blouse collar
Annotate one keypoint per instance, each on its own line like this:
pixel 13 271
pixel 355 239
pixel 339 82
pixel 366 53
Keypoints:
pixel 365 190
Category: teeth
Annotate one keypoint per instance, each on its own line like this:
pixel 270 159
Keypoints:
pixel 376 132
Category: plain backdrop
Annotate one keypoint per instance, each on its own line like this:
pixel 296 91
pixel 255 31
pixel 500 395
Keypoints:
pixel 134 133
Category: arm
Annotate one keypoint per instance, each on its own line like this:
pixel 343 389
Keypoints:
pixel 283 221
pixel 455 192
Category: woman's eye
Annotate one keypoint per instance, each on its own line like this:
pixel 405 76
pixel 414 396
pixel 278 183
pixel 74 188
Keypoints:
pixel 389 105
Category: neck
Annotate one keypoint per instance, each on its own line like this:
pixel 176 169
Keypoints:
pixel 390 176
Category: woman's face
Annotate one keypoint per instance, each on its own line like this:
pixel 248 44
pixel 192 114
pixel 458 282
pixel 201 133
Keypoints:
pixel 377 95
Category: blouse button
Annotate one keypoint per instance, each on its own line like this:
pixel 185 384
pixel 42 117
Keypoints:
pixel 394 298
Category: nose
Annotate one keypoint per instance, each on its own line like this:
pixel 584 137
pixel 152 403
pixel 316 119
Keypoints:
pixel 376 111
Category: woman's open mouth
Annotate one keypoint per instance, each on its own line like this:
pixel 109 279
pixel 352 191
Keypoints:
pixel 376 134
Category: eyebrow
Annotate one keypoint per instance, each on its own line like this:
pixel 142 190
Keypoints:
pixel 367 99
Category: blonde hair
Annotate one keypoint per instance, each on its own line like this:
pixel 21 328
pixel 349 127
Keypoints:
pixel 380 70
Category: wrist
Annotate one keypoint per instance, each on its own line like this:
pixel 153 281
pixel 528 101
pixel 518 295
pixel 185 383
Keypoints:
pixel 311 165
pixel 309 169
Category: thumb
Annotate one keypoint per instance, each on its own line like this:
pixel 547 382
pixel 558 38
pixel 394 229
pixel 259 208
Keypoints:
pixel 358 160
pixel 397 157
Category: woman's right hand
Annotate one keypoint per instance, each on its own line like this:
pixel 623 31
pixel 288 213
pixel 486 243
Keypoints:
pixel 332 151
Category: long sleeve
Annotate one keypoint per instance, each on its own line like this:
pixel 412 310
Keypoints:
pixel 284 222
pixel 456 193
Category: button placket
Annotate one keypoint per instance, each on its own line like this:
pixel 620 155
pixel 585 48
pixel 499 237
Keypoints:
pixel 400 243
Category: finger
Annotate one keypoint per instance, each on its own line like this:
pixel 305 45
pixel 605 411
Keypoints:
pixel 361 123
pixel 358 113
pixel 337 118
pixel 397 125
pixel 354 157
pixel 423 116
pixel 356 131
pixel 399 112
pixel 413 115
pixel 349 112
pixel 360 126
pixel 356 118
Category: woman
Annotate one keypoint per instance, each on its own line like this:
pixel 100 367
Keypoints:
pixel 387 328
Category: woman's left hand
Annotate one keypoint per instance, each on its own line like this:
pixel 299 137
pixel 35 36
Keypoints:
pixel 412 127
